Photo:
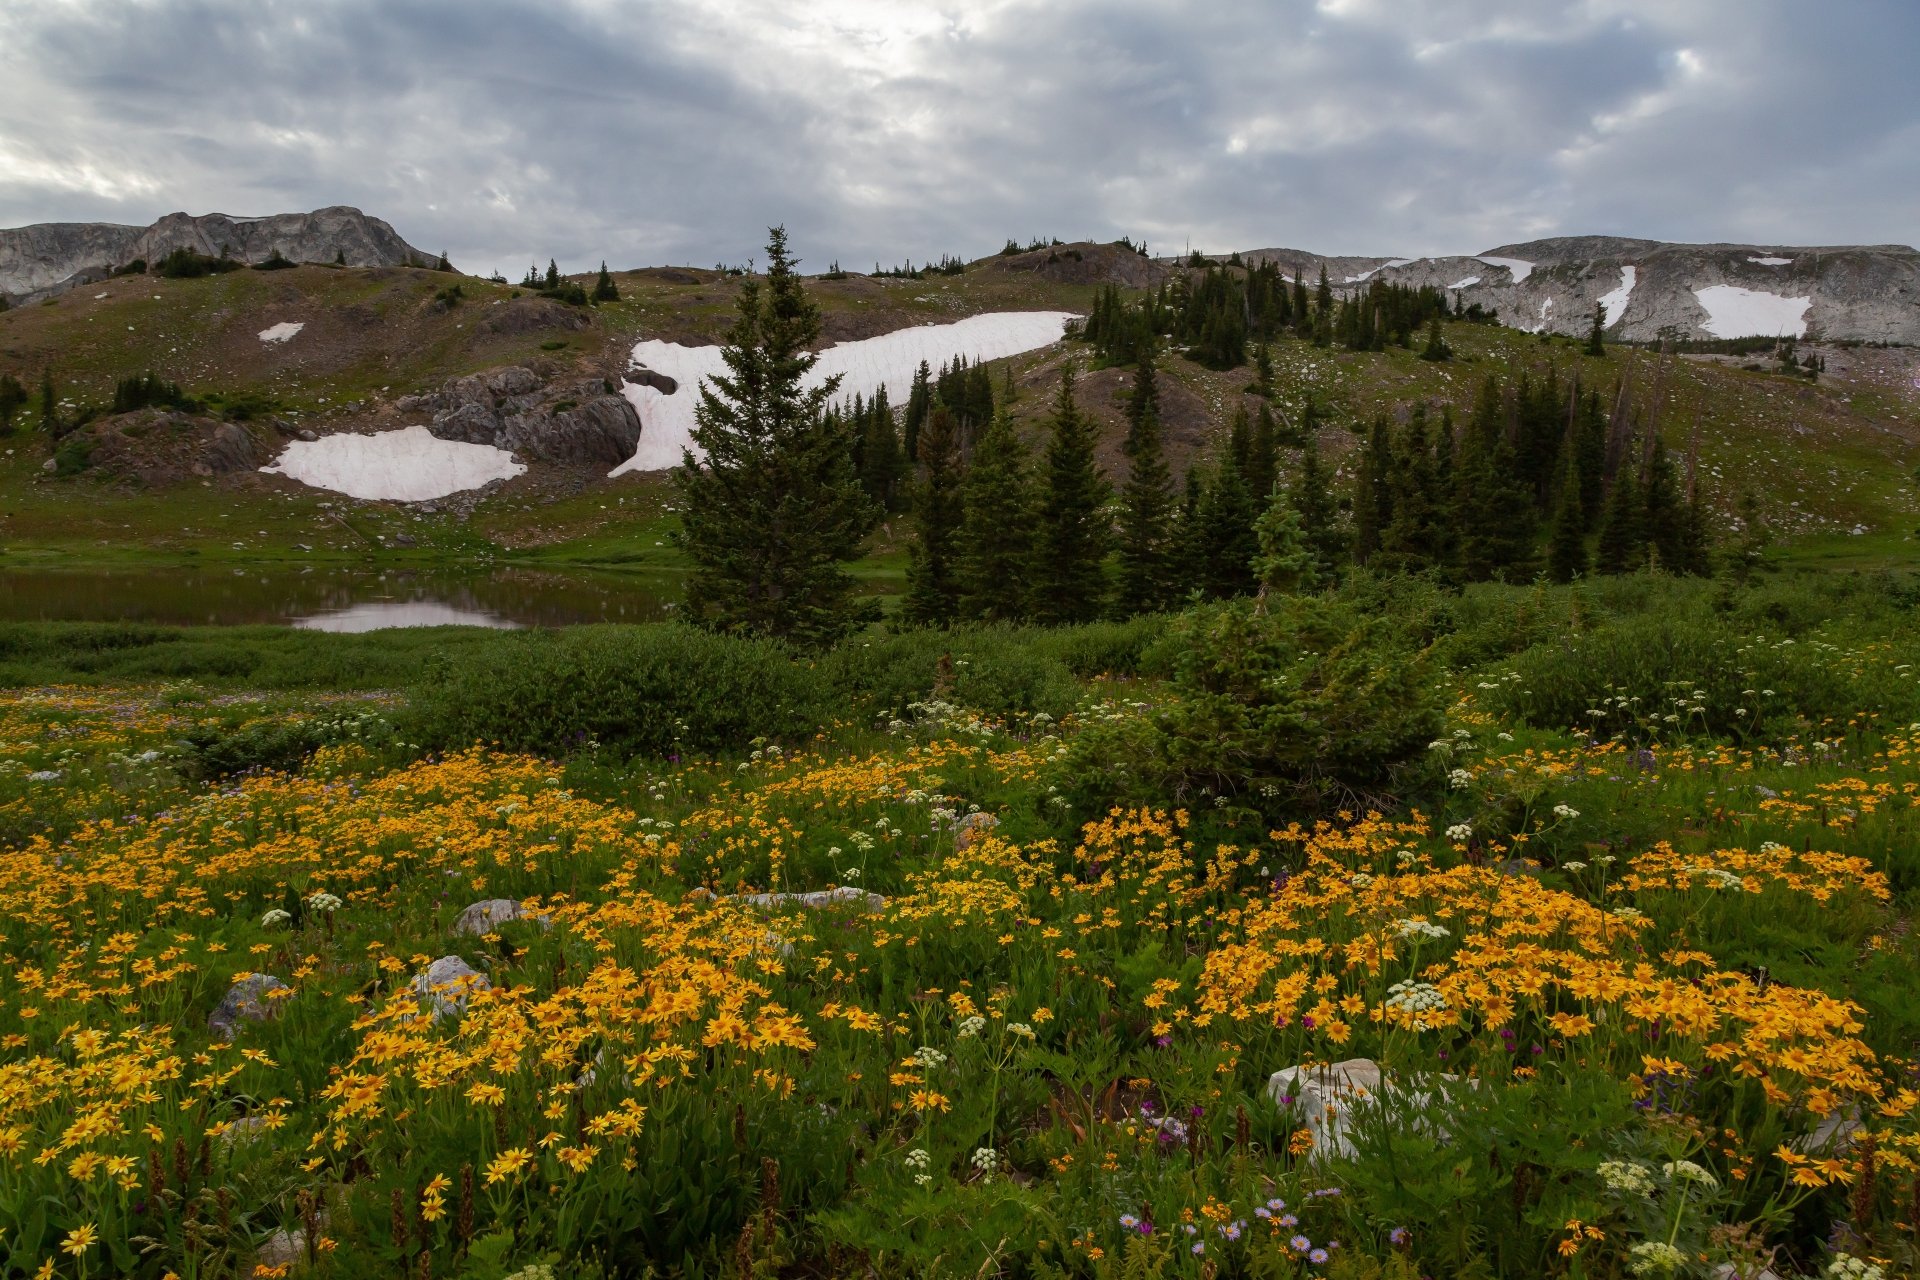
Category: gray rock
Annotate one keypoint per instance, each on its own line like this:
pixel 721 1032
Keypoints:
pixel 513 408
pixel 1329 1096
pixel 308 434
pixel 971 828
pixel 814 901
pixel 284 1248
pixel 447 984
pixel 232 448
pixel 245 1001
pixel 484 917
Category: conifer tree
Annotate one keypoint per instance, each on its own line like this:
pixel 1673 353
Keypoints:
pixel 1436 348
pixel 1492 502
pixel 1596 336
pixel 919 402
pixel 553 274
pixel 1143 404
pixel 1372 493
pixel 1228 545
pixel 1262 384
pixel 1069 582
pixel 1285 563
pixel 772 505
pixel 604 289
pixel 1148 559
pixel 1410 540
pixel 1663 514
pixel 933 576
pixel 13 398
pixel 49 406
pixel 1189 547
pixel 1567 546
pixel 1620 547
pixel 995 545
pixel 1311 495
pixel 881 462
pixel 1263 455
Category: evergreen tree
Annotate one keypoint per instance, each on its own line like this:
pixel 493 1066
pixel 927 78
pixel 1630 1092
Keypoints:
pixel 13 398
pixel 1372 493
pixel 1228 545
pixel 1263 455
pixel 1189 544
pixel 773 504
pixel 1436 348
pixel 1311 495
pixel 1262 384
pixel 1662 513
pixel 933 577
pixel 881 462
pixel 1148 560
pixel 1143 405
pixel 441 265
pixel 997 525
pixel 1567 546
pixel 1620 547
pixel 919 402
pixel 1285 563
pixel 1069 583
pixel 553 274
pixel 49 404
pixel 1410 542
pixel 1492 502
pixel 1596 336
pixel 604 289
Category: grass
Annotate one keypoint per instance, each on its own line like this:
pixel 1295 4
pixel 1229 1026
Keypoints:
pixel 1615 974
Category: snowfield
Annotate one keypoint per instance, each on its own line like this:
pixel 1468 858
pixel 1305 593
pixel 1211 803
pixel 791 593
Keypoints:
pixel 408 465
pixel 1733 312
pixel 1461 284
pixel 1616 301
pixel 378 615
pixel 1394 262
pixel 1521 270
pixel 1772 262
pixel 282 331
pixel 666 421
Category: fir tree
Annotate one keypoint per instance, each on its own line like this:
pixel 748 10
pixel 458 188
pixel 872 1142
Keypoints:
pixel 1312 496
pixel 1228 546
pixel 1410 540
pixel 996 529
pixel 1492 502
pixel 1663 514
pixel 881 462
pixel 1596 336
pixel 1189 548
pixel 919 402
pixel 1285 563
pixel 1436 348
pixel 1620 547
pixel 441 265
pixel 1262 384
pixel 553 274
pixel 1148 560
pixel 604 290
pixel 933 577
pixel 773 504
pixel 1143 405
pixel 1263 455
pixel 1567 546
pixel 1069 583
pixel 1372 492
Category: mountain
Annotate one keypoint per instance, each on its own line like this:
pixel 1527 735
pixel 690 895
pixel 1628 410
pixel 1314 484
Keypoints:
pixel 51 257
pixel 1653 289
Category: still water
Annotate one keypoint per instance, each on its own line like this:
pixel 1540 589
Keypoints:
pixel 332 598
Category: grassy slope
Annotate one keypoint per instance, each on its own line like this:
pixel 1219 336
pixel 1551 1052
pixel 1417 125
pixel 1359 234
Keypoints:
pixel 1823 459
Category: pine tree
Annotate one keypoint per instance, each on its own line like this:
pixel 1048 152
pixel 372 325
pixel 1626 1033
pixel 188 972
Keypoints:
pixel 773 505
pixel 1262 384
pixel 1227 515
pixel 1143 404
pixel 919 402
pixel 1620 547
pixel 1148 579
pixel 553 274
pixel 1436 348
pixel 1285 563
pixel 1069 582
pixel 1492 503
pixel 1663 514
pixel 1372 492
pixel 604 290
pixel 1410 542
pixel 441 265
pixel 881 462
pixel 1312 496
pixel 1596 336
pixel 1189 542
pixel 1567 547
pixel 933 578
pixel 996 529
pixel 1263 455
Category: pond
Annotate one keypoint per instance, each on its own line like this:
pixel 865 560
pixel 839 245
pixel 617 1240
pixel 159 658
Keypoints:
pixel 333 598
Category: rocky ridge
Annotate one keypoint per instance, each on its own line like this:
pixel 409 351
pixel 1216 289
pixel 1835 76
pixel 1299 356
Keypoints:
pixel 49 258
pixel 1655 290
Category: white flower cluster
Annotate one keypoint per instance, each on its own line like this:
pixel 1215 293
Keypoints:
pixel 928 1059
pixel 1460 832
pixel 1688 1171
pixel 918 1160
pixel 1460 779
pixel 1416 999
pixel 1566 812
pixel 1629 913
pixel 1627 1176
pixel 1419 929
pixel 274 919
pixel 970 1028
pixel 1847 1267
pixel 1020 1029
pixel 1716 878
pixel 1655 1258
pixel 986 1159
pixel 324 902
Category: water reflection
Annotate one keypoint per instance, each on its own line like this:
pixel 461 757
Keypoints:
pixel 333 598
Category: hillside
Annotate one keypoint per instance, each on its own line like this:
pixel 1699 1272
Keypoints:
pixel 380 348
pixel 1655 290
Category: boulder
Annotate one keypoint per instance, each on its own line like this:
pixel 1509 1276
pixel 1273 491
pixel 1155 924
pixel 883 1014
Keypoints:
pixel 971 828
pixel 814 901
pixel 1327 1097
pixel 575 421
pixel 484 917
pixel 232 448
pixel 447 984
pixel 245 1001
pixel 533 315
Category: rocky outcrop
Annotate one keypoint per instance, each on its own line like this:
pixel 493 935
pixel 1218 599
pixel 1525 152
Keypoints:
pixel 572 420
pixel 51 257
pixel 159 447
pixel 1083 263
pixel 245 1001
pixel 1654 290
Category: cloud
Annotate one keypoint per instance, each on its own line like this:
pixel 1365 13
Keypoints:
pixel 509 131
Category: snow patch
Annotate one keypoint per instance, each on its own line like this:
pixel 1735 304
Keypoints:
pixel 98 296
pixel 1733 312
pixel 1521 269
pixel 1616 301
pixel 1461 284
pixel 1395 262
pixel 282 331
pixel 666 421
pixel 1772 262
pixel 408 465
pixel 378 615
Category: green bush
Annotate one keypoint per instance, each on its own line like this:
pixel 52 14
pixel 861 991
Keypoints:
pixel 74 455
pixel 185 264
pixel 994 670
pixel 654 690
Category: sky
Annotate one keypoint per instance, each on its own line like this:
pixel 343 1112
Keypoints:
pixel 513 131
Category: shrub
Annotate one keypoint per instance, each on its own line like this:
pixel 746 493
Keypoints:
pixel 651 690
pixel 184 264
pixel 74 455
pixel 994 670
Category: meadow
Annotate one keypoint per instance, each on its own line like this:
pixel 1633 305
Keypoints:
pixel 1625 929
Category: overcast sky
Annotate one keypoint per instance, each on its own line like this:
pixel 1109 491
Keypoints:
pixel 508 131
